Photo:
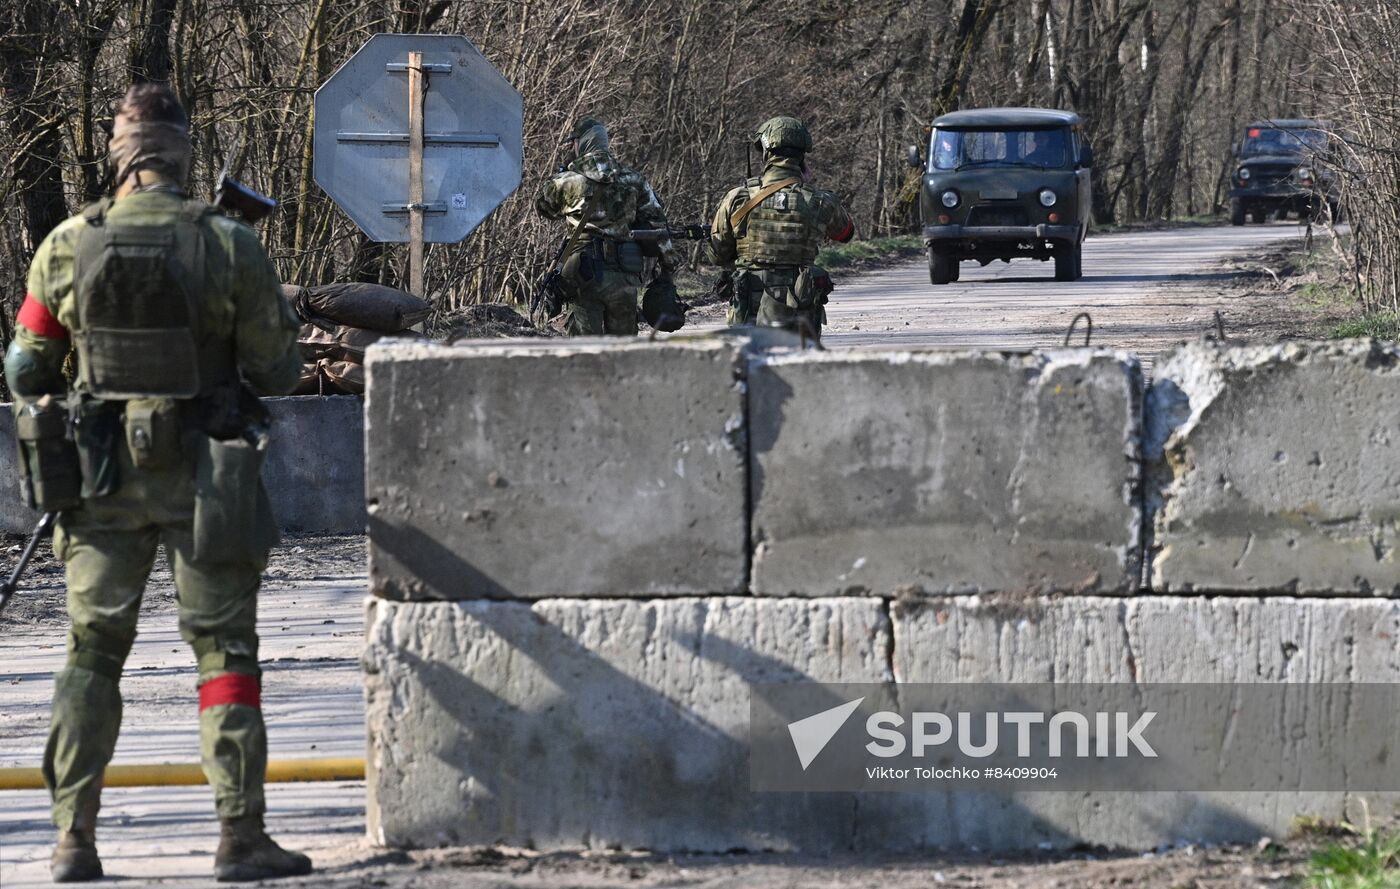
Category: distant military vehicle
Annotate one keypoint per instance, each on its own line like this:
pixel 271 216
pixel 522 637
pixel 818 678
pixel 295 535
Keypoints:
pixel 1001 183
pixel 1281 168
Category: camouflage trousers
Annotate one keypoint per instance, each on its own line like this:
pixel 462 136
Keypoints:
pixel 108 546
pixel 766 297
pixel 601 293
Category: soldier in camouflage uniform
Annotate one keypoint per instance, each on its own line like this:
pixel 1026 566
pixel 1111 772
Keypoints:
pixel 766 233
pixel 601 274
pixel 168 303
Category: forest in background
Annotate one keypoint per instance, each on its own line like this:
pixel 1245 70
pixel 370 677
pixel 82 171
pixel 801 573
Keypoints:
pixel 1164 87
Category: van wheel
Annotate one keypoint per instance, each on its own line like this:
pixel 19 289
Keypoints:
pixel 1237 212
pixel 942 268
pixel 1069 262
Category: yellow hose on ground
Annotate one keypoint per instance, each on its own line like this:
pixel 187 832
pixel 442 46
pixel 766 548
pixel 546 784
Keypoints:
pixel 279 771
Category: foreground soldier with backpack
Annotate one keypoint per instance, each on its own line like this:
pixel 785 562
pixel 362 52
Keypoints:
pixel 767 231
pixel 171 307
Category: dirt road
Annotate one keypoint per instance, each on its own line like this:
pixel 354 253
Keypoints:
pixel 1144 290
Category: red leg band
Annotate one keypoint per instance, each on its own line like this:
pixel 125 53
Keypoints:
pixel 230 688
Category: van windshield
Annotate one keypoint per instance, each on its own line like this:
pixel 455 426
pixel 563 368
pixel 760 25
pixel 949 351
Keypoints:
pixel 1277 140
pixel 1042 148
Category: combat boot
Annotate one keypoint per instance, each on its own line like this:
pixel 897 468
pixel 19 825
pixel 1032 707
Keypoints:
pixel 246 853
pixel 75 857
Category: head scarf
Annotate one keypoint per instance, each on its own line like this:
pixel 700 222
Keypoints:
pixel 158 146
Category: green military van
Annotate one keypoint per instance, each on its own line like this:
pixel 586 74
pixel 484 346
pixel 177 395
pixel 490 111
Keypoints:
pixel 1000 183
pixel 1281 167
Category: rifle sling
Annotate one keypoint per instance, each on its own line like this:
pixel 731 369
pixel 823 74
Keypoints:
pixel 588 208
pixel 762 195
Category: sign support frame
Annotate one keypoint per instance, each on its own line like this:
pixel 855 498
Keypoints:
pixel 416 206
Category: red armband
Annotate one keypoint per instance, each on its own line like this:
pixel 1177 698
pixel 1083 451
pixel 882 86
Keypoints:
pixel 846 233
pixel 35 317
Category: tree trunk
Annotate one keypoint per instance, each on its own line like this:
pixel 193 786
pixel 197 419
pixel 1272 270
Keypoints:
pixel 150 54
pixel 26 57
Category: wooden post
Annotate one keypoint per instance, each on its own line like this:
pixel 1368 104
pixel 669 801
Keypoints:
pixel 415 173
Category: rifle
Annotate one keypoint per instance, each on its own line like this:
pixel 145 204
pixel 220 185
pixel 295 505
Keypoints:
pixel 41 530
pixel 544 302
pixel 233 196
pixel 692 231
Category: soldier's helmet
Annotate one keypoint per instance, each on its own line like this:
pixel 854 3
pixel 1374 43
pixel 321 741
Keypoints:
pixel 784 135
pixel 589 134
pixel 583 125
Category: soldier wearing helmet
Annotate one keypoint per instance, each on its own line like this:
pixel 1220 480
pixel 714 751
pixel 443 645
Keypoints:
pixel 768 231
pixel 601 201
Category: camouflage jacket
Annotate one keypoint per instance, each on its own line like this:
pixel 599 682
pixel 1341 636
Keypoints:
pixel 622 200
pixel 241 300
pixel 825 217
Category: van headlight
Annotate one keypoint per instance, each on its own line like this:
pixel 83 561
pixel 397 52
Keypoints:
pixel 1244 174
pixel 950 199
pixel 1047 198
pixel 1305 174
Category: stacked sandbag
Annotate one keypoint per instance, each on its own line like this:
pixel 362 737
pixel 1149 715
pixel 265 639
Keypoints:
pixel 340 321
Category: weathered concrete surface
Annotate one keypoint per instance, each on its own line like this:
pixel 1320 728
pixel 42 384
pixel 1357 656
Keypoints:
pixel 941 472
pixel 591 723
pixel 1148 639
pixel 314 471
pixel 578 468
pixel 15 517
pixel 564 723
pixel 1276 469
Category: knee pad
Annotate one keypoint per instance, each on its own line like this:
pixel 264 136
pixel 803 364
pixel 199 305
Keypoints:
pixel 97 652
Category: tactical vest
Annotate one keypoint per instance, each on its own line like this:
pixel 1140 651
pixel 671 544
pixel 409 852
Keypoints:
pixel 139 290
pixel 781 231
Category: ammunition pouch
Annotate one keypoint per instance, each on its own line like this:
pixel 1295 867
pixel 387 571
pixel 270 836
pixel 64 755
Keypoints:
pixel 600 254
pixel 626 255
pixel 97 430
pixel 50 480
pixel 582 266
pixel 812 288
pixel 154 432
pixel 233 519
pixel 745 290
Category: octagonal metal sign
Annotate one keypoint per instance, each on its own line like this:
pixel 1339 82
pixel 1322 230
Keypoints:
pixel 472 120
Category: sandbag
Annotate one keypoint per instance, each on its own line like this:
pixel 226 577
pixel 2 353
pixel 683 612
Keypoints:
pixel 340 343
pixel 346 376
pixel 368 306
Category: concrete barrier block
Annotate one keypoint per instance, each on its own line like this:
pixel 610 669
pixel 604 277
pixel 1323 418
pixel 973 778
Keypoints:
pixel 573 468
pixel 936 472
pixel 315 469
pixel 15 517
pixel 1149 639
pixel 1274 469
pixel 566 723
pixel 314 472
